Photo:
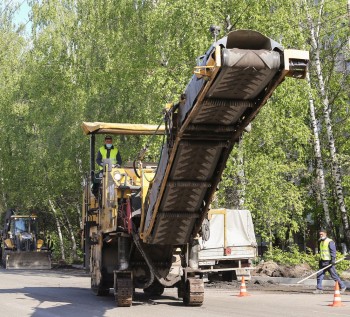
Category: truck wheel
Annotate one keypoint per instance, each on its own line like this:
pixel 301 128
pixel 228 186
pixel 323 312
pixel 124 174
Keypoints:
pixel 228 276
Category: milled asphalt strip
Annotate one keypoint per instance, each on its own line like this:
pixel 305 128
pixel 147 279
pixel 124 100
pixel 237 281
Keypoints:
pixel 294 281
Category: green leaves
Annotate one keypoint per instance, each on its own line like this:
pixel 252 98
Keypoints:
pixel 123 61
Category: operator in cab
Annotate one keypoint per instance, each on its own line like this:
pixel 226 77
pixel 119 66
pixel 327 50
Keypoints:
pixel 108 151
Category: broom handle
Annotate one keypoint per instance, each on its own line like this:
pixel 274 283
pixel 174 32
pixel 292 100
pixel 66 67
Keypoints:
pixel 326 267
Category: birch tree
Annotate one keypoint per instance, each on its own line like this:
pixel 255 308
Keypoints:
pixel 320 173
pixel 59 230
pixel 318 38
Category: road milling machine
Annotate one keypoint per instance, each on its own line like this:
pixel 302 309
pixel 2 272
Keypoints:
pixel 21 248
pixel 145 215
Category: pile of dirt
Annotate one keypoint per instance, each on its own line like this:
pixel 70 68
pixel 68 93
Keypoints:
pixel 272 269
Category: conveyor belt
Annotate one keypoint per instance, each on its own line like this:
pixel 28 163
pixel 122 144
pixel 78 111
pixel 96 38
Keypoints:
pixel 208 122
pixel 244 74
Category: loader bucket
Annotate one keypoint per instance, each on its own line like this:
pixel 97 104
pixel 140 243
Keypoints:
pixel 28 260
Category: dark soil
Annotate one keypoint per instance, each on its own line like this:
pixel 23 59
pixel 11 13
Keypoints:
pixel 273 269
pixel 260 279
pixel 266 286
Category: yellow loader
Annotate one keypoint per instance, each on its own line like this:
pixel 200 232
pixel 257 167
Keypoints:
pixel 21 248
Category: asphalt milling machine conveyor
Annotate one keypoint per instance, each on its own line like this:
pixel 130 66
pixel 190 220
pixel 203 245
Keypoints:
pixel 145 216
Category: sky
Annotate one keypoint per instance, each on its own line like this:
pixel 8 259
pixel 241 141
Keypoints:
pixel 21 15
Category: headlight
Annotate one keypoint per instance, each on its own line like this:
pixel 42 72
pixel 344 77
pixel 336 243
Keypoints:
pixel 117 176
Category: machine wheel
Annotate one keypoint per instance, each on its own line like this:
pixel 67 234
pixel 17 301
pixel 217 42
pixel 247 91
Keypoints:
pixel 3 260
pixel 124 289
pixel 155 289
pixel 193 292
pixel 180 290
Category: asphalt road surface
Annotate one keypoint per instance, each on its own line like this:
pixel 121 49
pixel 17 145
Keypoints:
pixel 67 293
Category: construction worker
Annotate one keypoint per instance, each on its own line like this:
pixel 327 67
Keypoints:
pixel 327 257
pixel 107 151
pixel 49 243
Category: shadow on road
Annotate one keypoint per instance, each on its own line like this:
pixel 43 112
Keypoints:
pixel 63 273
pixel 78 302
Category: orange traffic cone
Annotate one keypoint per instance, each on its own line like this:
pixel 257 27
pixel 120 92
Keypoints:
pixel 337 299
pixel 243 290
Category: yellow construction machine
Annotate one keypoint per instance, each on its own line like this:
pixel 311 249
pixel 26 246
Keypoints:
pixel 146 215
pixel 21 248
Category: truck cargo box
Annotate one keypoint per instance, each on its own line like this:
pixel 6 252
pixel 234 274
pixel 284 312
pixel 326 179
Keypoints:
pixel 231 245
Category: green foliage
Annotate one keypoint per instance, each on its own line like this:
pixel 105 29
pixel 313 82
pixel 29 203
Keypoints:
pixel 273 158
pixel 342 265
pixel 121 62
pixel 294 257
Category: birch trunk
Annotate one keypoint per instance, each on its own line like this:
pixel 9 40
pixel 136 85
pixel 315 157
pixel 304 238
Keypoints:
pixel 336 172
pixel 72 237
pixel 78 209
pixel 321 183
pixel 241 175
pixel 3 192
pixel 270 238
pixel 348 10
pixel 59 231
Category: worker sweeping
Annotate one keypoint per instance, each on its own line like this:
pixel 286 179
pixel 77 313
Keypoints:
pixel 327 262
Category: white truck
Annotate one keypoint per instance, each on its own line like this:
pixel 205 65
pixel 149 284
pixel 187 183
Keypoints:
pixel 228 244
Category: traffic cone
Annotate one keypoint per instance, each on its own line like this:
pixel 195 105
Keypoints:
pixel 337 299
pixel 243 290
